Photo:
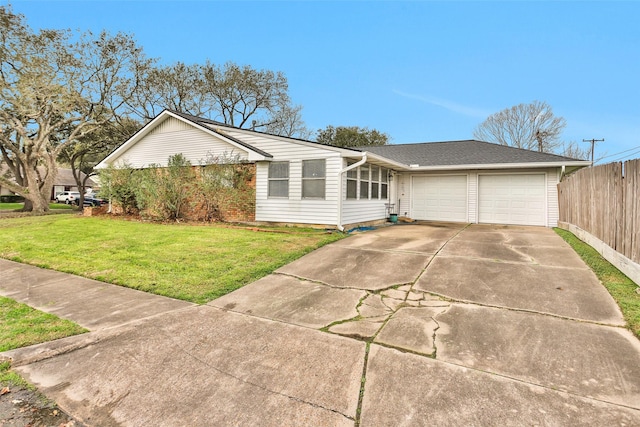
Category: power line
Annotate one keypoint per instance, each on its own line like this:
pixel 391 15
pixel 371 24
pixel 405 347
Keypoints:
pixel 593 144
pixel 626 156
pixel 623 157
pixel 621 152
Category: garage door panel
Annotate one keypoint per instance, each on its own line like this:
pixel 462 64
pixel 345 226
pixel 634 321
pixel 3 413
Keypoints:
pixel 512 199
pixel 439 198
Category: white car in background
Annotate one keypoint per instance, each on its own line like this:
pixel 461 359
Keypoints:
pixel 68 197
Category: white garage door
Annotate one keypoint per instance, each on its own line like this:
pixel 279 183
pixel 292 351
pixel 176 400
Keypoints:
pixel 439 198
pixel 512 199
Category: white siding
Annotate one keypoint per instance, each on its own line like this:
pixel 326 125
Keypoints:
pixel 552 197
pixel 401 200
pixel 472 200
pixel 295 209
pixel 356 211
pixel 173 137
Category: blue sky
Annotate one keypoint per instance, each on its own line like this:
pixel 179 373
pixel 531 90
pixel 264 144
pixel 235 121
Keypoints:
pixel 419 71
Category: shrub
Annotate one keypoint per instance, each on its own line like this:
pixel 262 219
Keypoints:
pixel 121 185
pixel 11 198
pixel 225 183
pixel 167 193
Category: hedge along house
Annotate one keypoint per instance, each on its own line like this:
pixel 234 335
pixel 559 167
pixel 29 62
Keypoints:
pixel 303 182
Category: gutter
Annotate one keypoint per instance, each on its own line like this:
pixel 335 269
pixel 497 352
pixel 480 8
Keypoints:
pixel 340 180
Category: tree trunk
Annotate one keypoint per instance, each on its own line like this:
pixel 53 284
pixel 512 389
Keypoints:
pixel 28 206
pixel 38 197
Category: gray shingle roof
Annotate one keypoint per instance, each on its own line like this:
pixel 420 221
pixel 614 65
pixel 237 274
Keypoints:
pixel 470 152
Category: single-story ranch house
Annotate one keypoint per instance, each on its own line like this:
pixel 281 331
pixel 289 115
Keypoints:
pixel 303 182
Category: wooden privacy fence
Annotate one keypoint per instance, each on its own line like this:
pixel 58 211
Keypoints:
pixel 603 200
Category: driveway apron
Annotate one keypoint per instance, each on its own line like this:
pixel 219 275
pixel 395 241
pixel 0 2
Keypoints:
pixel 421 324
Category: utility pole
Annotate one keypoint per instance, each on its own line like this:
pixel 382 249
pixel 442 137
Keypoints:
pixel 593 145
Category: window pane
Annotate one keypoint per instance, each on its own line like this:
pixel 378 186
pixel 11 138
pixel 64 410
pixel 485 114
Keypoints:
pixel 364 172
pixel 364 190
pixel 353 173
pixel 313 188
pixel 279 170
pixel 375 173
pixel 313 168
pixel 352 185
pixel 279 188
pixel 374 190
pixel 384 175
pixel 384 191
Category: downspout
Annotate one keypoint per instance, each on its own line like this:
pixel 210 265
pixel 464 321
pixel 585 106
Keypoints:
pixel 340 180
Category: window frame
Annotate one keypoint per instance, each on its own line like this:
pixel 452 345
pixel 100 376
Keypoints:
pixel 271 179
pixel 365 190
pixel 308 179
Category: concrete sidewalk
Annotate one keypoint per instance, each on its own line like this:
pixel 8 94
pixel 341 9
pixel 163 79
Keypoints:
pixel 436 324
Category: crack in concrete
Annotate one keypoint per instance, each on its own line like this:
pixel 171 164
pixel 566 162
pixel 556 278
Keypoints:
pixel 363 380
pixel 525 310
pixel 253 384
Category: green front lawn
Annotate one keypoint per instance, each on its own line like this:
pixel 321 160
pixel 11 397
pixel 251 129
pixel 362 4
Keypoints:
pixel 193 263
pixel 622 289
pixel 16 206
pixel 22 325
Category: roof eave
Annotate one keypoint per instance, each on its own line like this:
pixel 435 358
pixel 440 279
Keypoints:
pixel 529 165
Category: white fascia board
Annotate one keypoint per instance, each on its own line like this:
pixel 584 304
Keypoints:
pixel 383 161
pixel 578 163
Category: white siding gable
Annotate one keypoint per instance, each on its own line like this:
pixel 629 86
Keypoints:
pixel 173 136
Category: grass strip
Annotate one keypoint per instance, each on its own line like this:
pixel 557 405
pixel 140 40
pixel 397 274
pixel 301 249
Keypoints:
pixel 622 289
pixel 16 206
pixel 21 326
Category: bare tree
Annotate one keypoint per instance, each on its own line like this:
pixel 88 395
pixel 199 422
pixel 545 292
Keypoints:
pixel 178 87
pixel 241 93
pixel 574 151
pixel 56 87
pixel 239 96
pixel 287 121
pixel 530 126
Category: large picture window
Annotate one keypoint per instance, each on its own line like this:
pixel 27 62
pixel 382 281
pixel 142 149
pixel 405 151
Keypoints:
pixel 278 179
pixel 367 182
pixel 313 179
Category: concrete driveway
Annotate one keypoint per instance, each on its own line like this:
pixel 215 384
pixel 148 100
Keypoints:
pixel 430 324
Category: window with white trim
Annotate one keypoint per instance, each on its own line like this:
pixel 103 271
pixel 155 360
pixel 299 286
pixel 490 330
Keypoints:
pixel 364 182
pixel 384 183
pixel 278 180
pixel 375 182
pixel 313 179
pixel 352 181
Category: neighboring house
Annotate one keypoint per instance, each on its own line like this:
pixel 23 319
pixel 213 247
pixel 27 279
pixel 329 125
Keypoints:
pixel 64 182
pixel 306 182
